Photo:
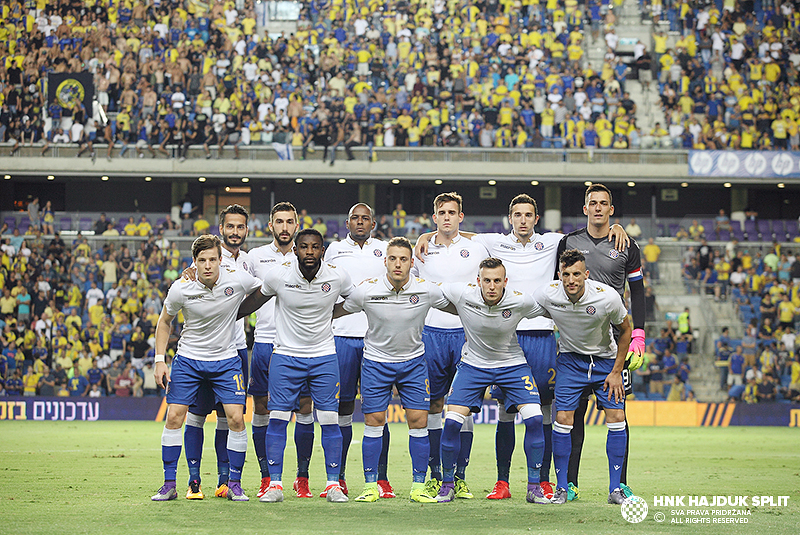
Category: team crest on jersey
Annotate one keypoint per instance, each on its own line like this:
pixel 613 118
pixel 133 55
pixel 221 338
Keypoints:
pixel 538 246
pixel 591 310
pixel 613 253
pixel 414 299
pixel 464 253
pixel 506 314
pixel 325 287
pixel 229 291
pixel 378 253
pixel 244 266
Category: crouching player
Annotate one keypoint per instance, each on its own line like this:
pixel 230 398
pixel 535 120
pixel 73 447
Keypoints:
pixel 206 356
pixel 396 306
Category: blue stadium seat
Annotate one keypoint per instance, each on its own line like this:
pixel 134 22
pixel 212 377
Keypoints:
pixel 24 224
pixel 567 227
pixel 11 222
pixel 778 230
pixel 791 229
pixel 673 229
pixel 765 229
pixel 738 233
pixel 479 227
pixel 333 227
pixel 497 227
pixel 750 230
pixel 85 224
pixel 65 224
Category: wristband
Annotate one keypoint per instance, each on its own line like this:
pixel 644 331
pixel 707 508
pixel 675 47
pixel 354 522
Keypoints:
pixel 159 358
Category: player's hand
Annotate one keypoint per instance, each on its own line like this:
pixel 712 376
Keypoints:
pixel 189 273
pixel 635 357
pixel 421 248
pixel 620 237
pixel 161 373
pixel 613 385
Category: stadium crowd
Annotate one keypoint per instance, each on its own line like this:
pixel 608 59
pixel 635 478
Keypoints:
pixel 435 73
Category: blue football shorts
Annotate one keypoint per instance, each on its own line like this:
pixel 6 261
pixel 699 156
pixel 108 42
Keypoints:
pixel 349 352
pixel 288 375
pixel 576 373
pixel 515 382
pixel 411 378
pixel 442 354
pixel 224 378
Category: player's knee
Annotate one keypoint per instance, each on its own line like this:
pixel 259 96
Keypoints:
pixel 417 419
pixel 505 416
pixel 565 417
pixel 530 410
pixel 305 405
pixel 327 418
pixel 615 416
pixel 175 416
pixel 347 408
pixel 260 405
pixel 304 419
pixel 195 420
pixel 437 405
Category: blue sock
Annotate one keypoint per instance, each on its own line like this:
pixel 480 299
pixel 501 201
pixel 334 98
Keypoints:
pixel 615 449
pixel 544 473
pixel 504 440
pixel 534 447
pixel 464 452
pixel 451 443
pixel 276 443
pixel 562 447
pixel 370 452
pixel 221 447
pixel 237 450
pixel 332 446
pixel 347 438
pixel 419 447
pixel 260 445
pixel 304 443
pixel 170 452
pixel 435 455
pixel 193 442
pixel 383 461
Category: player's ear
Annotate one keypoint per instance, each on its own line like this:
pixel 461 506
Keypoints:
pixel 461 217
pixel 612 210
pixel 585 210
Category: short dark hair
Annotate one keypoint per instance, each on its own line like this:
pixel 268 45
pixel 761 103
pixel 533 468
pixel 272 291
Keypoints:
pixel 598 187
pixel 523 198
pixel 283 206
pixel 448 197
pixel 400 241
pixel 490 263
pixel 204 242
pixel 571 257
pixel 234 209
pixel 365 205
pixel 308 232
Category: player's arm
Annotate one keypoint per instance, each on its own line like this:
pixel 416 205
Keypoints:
pixel 562 246
pixel 252 302
pixel 636 286
pixel 613 383
pixel 421 247
pixel 163 329
pixel 620 238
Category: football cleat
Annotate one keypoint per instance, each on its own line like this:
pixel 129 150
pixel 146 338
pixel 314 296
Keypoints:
pixel 500 491
pixel 547 489
pixel 335 494
pixel 194 492
pixel 420 495
pixel 369 494
pixel 572 492
pixel 222 491
pixel 462 490
pixel 342 484
pixel 536 494
pixel 447 492
pixel 616 497
pixel 301 489
pixel 264 487
pixel 273 494
pixel 626 490
pixel 432 486
pixel 165 493
pixel 386 489
pixel 559 496
pixel 235 493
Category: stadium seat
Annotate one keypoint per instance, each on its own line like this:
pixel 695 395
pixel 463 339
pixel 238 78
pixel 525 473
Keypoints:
pixel 724 235
pixel 750 230
pixel 765 229
pixel 778 230
pixel 497 227
pixel 738 233
pixel 11 222
pixel 333 227
pixel 567 227
pixel 479 227
pixel 673 229
pixel 710 228
pixel 791 229
pixel 85 224
pixel 24 224
pixel 65 224
pixel 160 223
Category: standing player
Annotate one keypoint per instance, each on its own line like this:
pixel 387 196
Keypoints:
pixel 361 257
pixel 233 230
pixel 306 291
pixel 283 224
pixel 206 356
pixel 396 305
pixel 584 312
pixel 612 267
pixel 450 258
pixel 490 313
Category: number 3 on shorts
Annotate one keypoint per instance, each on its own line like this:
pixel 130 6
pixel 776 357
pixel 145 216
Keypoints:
pixel 528 383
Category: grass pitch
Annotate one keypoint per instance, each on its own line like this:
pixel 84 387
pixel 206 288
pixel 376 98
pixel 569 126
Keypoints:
pixel 97 477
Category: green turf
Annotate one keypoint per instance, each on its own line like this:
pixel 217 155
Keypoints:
pixel 67 478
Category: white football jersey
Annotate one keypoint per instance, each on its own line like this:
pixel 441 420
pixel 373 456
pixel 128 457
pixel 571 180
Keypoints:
pixel 455 263
pixel 242 261
pixel 263 259
pixel 491 331
pixel 395 318
pixel 303 310
pixel 209 314
pixel 584 327
pixel 527 266
pixel 360 263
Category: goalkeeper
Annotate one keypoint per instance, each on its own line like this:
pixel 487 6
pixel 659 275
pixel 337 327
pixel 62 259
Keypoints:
pixel 612 267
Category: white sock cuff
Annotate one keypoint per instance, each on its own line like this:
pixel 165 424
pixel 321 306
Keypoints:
pixel 237 440
pixel 195 420
pixel 503 416
pixel 469 425
pixel 171 437
pixel 328 418
pixel 456 417
pixel 304 419
pixel 222 424
pixel 547 414
pixel 561 428
pixel 435 421
pixel 260 420
pixel 345 420
pixel 372 431
pixel 280 415
pixel 616 426
pixel 419 433
pixel 530 410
